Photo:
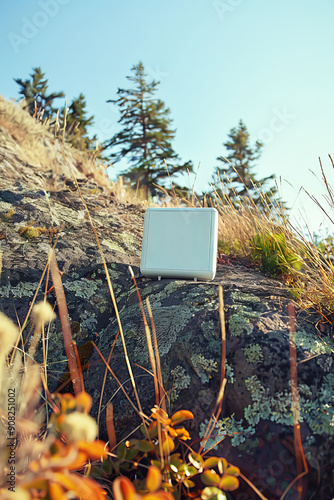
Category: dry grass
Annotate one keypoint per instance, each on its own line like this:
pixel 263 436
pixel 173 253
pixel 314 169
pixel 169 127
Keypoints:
pixel 306 270
pixel 35 143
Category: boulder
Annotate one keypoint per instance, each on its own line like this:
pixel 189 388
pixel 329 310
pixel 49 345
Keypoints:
pixel 256 419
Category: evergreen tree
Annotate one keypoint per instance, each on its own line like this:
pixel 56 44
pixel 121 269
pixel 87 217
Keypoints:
pixel 35 94
pixel 239 166
pixel 146 135
pixel 77 123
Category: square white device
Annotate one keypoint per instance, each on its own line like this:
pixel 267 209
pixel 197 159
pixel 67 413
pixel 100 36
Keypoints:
pixel 180 243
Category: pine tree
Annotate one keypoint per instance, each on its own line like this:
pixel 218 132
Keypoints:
pixel 77 123
pixel 146 135
pixel 35 94
pixel 237 174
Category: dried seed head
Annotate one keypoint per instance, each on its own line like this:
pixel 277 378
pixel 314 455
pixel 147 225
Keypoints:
pixel 8 334
pixel 18 494
pixel 42 313
pixel 79 427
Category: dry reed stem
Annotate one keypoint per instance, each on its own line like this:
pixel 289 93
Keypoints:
pixel 162 391
pixel 299 452
pixel 148 340
pixel 77 357
pixel 63 315
pixel 110 426
pixel 105 379
pixel 258 492
pixel 143 416
pixel 218 406
pixel 157 376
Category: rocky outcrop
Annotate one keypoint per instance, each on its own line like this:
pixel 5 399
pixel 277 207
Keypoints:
pixel 256 417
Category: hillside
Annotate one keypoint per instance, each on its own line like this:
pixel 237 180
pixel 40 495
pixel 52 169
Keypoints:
pixel 40 205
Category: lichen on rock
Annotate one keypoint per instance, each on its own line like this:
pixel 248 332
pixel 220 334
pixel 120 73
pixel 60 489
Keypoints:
pixel 204 367
pixel 253 353
pixel 83 288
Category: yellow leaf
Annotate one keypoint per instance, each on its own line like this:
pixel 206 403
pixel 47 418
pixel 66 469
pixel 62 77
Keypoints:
pixel 196 460
pixel 222 465
pixel 211 462
pixel 212 492
pixel 210 478
pixel 232 470
pixel 229 483
pixel 167 445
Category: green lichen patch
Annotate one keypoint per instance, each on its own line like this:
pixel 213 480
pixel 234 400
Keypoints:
pixel 7 215
pixel 204 367
pixel 113 245
pixel 169 321
pixel 180 380
pixel 211 332
pixel 238 325
pixel 83 288
pixel 313 345
pixel 253 353
pixel 318 412
pixel 245 298
pixel 5 207
pixel 122 242
pixel 18 291
pixel 88 324
pixel 30 233
pixel 228 426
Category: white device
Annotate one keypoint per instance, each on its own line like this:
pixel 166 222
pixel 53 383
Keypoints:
pixel 180 243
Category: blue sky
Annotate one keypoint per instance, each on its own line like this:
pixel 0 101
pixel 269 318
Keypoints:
pixel 267 62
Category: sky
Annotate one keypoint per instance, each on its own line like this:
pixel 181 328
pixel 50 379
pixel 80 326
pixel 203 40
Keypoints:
pixel 269 63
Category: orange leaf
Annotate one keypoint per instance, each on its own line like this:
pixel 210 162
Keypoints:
pixel 181 415
pixel 229 483
pixel 94 450
pixel 56 492
pixel 123 489
pixel 182 434
pixel 84 401
pixel 86 488
pixel 161 415
pixel 159 495
pixel 78 462
pixel 153 478
pixel 172 432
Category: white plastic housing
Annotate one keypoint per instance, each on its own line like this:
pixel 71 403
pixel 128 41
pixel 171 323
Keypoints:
pixel 180 243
